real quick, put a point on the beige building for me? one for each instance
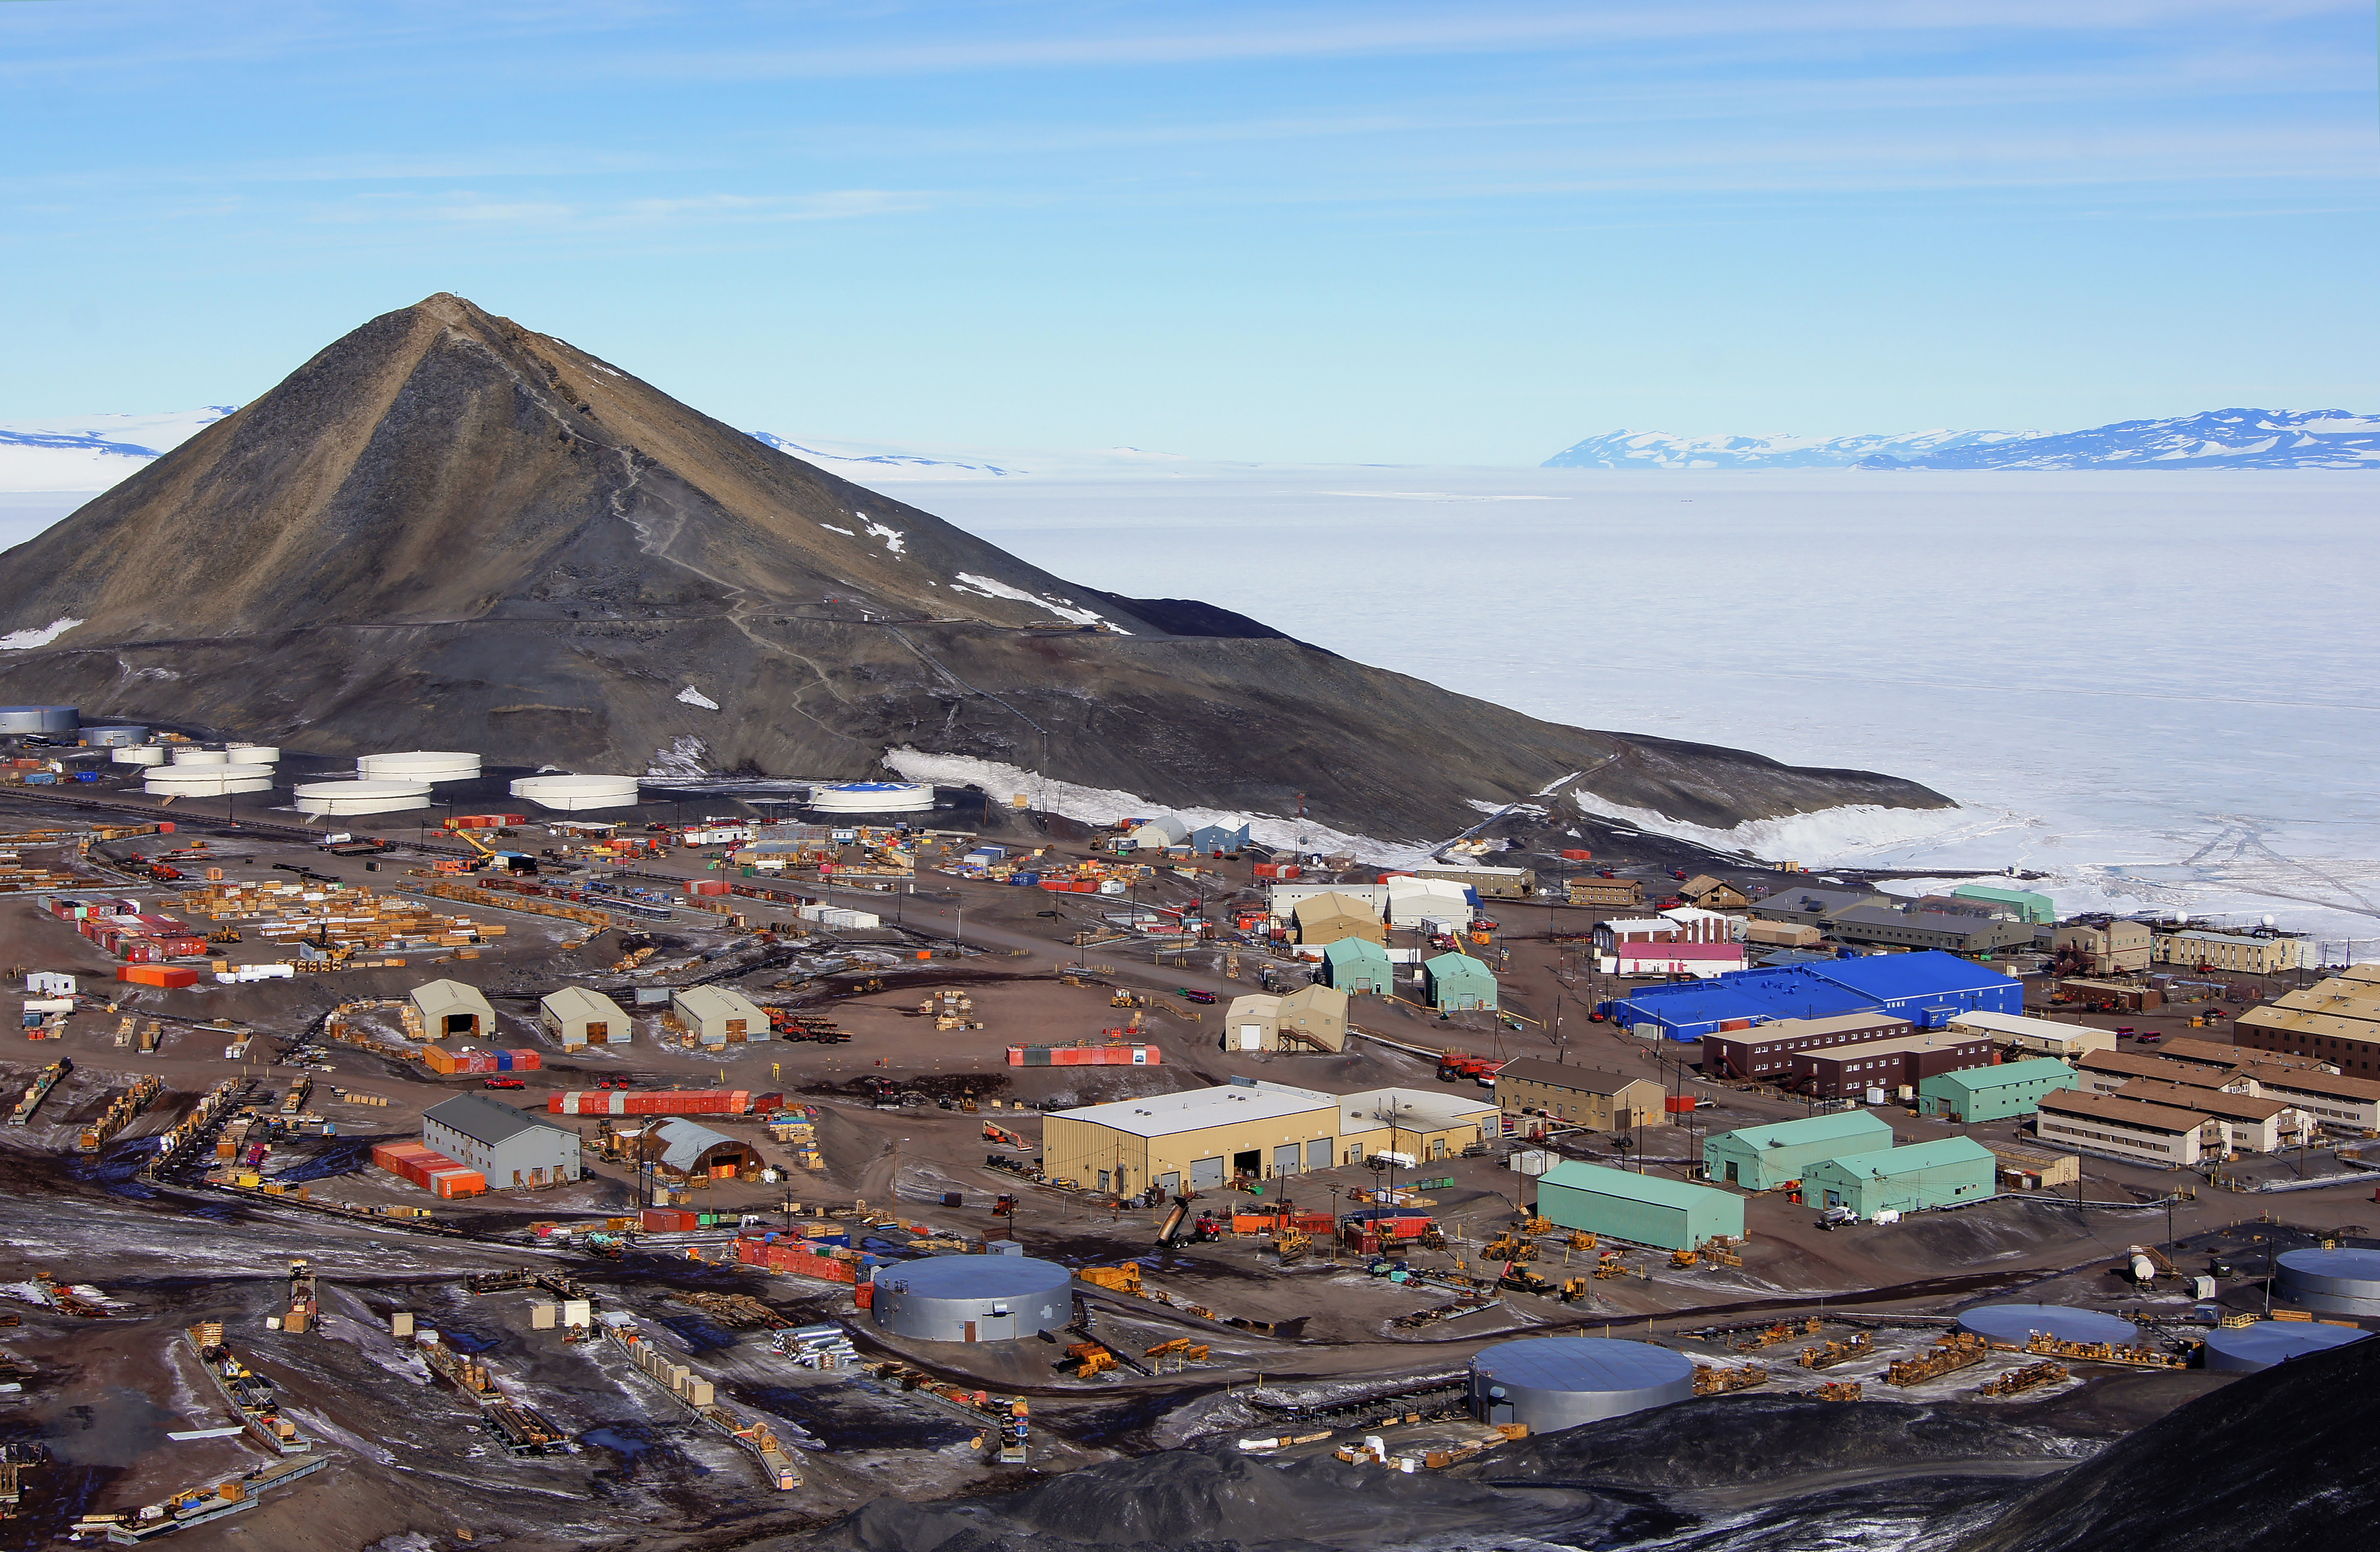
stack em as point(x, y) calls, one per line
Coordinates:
point(1421, 1123)
point(2103, 1124)
point(2340, 1104)
point(719, 1015)
point(2038, 1035)
point(1326, 918)
point(2025, 1169)
point(2109, 948)
point(2241, 953)
point(1790, 935)
point(1311, 1019)
point(1508, 883)
point(1198, 1140)
point(2255, 1125)
point(1584, 1097)
point(450, 1009)
point(575, 1016)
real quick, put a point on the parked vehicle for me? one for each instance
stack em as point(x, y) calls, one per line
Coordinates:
point(502, 1083)
point(1189, 996)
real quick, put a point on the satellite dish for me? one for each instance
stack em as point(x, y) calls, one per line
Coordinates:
point(2269, 922)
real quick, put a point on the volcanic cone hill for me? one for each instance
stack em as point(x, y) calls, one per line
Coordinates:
point(445, 530)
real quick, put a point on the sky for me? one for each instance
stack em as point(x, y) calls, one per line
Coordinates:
point(1377, 232)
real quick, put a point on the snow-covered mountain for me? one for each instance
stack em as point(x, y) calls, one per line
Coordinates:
point(92, 452)
point(880, 463)
point(2236, 439)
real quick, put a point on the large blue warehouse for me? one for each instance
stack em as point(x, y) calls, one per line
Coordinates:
point(1929, 988)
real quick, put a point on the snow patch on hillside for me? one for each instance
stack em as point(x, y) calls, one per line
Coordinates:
point(17, 641)
point(1861, 834)
point(692, 697)
point(1106, 804)
point(969, 583)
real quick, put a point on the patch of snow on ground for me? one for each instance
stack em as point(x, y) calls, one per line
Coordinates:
point(847, 533)
point(969, 582)
point(693, 697)
point(1104, 804)
point(17, 641)
point(685, 756)
point(1859, 834)
point(892, 537)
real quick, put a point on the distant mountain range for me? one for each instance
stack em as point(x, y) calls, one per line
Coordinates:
point(2215, 439)
point(92, 452)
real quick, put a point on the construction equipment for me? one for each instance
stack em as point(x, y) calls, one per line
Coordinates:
point(1455, 1065)
point(1827, 1355)
point(1086, 1359)
point(1578, 1241)
point(2029, 1377)
point(1839, 1391)
point(2046, 1345)
point(1710, 1381)
point(995, 1133)
point(1522, 1279)
point(1684, 1257)
point(1292, 1244)
point(1533, 1226)
point(1609, 1265)
point(1124, 1279)
point(1957, 1350)
point(1507, 1247)
point(46, 1080)
point(1774, 1335)
point(304, 1307)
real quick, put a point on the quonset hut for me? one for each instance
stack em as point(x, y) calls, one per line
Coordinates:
point(1560, 1382)
point(973, 1298)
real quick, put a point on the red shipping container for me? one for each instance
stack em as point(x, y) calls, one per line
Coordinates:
point(668, 1221)
point(1681, 1104)
point(528, 1062)
point(164, 826)
point(159, 975)
point(1290, 870)
point(707, 886)
point(1265, 869)
point(866, 1294)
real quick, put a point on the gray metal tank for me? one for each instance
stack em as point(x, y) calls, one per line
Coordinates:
point(117, 735)
point(2246, 1349)
point(50, 720)
point(2333, 1282)
point(974, 1298)
point(1560, 1382)
point(2015, 1323)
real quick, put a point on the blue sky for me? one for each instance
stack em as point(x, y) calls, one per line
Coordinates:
point(1364, 232)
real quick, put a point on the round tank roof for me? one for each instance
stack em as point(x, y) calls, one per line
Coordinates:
point(1584, 1364)
point(2014, 1323)
point(2245, 1349)
point(2343, 1271)
point(363, 789)
point(976, 1276)
point(571, 793)
point(873, 798)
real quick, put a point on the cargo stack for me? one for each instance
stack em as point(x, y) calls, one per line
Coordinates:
point(667, 1101)
point(438, 1059)
point(797, 1128)
point(433, 1171)
point(1104, 1054)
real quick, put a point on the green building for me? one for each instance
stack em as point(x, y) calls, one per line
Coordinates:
point(1646, 1209)
point(1764, 1157)
point(1355, 964)
point(1938, 1174)
point(2013, 1089)
point(2038, 909)
point(1458, 982)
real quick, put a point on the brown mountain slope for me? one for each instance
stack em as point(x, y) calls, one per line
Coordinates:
point(447, 530)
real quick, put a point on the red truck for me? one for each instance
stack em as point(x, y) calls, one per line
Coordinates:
point(1456, 1065)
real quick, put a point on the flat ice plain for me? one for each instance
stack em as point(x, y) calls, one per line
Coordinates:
point(2161, 689)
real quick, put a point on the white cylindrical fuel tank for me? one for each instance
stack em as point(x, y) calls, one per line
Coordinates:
point(362, 797)
point(254, 754)
point(138, 754)
point(208, 780)
point(191, 754)
point(573, 793)
point(420, 765)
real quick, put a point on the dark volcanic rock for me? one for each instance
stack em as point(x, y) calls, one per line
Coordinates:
point(2277, 1462)
point(445, 529)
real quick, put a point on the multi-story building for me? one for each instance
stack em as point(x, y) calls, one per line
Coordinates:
point(2244, 953)
point(2105, 945)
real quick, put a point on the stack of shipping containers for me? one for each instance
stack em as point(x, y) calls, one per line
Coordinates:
point(433, 1171)
point(661, 1102)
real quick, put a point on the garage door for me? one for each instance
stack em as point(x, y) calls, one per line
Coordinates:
point(1252, 1036)
point(1206, 1174)
point(1317, 1154)
point(1284, 1160)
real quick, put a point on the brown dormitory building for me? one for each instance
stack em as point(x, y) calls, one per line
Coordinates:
point(2336, 1021)
point(2339, 1103)
point(1766, 1052)
point(1841, 1072)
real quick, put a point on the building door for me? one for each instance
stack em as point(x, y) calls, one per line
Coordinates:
point(970, 1331)
point(1731, 1172)
point(1250, 1162)
point(1284, 1158)
point(1206, 1174)
point(1317, 1154)
point(1252, 1036)
point(1169, 1182)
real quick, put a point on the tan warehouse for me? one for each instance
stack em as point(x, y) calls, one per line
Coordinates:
point(1265, 1130)
point(1582, 1096)
point(450, 1008)
point(1311, 1019)
point(575, 1016)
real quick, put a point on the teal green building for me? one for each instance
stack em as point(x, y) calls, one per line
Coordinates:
point(1458, 983)
point(2038, 909)
point(1645, 1210)
point(1355, 964)
point(2013, 1089)
point(1944, 1173)
point(1764, 1157)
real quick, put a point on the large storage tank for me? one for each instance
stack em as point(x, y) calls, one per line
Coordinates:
point(362, 797)
point(138, 754)
point(974, 1298)
point(2333, 1282)
point(571, 793)
point(1560, 1382)
point(420, 765)
point(118, 736)
point(873, 798)
point(50, 720)
point(253, 754)
point(2246, 1349)
point(192, 754)
point(2017, 1323)
point(207, 781)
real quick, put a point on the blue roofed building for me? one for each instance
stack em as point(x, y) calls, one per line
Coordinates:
point(1929, 988)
